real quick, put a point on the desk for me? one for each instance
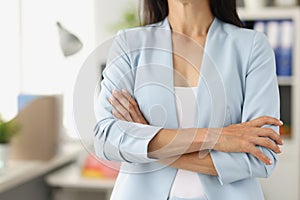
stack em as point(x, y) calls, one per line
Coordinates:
point(68, 183)
point(21, 172)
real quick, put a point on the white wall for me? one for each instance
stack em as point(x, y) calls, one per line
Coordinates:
point(9, 57)
point(108, 13)
point(31, 60)
point(44, 68)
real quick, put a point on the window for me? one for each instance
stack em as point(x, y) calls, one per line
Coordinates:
point(43, 69)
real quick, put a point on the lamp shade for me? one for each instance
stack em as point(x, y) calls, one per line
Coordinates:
point(69, 43)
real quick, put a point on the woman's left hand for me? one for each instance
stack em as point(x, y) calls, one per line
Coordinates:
point(126, 108)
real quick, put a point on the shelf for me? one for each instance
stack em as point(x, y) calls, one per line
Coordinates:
point(287, 170)
point(19, 172)
point(70, 177)
point(269, 13)
point(285, 80)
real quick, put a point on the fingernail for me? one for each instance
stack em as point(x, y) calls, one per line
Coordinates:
point(282, 141)
point(270, 162)
point(281, 122)
point(115, 91)
point(123, 90)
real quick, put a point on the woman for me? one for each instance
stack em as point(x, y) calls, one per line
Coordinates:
point(189, 123)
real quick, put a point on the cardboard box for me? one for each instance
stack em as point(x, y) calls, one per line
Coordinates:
point(40, 119)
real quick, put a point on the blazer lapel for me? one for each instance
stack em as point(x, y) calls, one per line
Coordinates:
point(154, 78)
point(211, 95)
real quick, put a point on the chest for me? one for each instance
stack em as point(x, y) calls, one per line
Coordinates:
point(187, 59)
point(217, 74)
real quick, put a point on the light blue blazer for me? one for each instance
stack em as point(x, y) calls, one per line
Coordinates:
point(237, 83)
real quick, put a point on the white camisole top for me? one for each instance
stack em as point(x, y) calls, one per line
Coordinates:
point(186, 184)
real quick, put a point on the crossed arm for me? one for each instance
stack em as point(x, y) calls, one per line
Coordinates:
point(126, 108)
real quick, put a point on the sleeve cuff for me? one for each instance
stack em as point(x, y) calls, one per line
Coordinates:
point(134, 144)
point(230, 167)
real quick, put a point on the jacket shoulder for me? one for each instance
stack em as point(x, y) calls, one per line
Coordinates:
point(244, 38)
point(238, 33)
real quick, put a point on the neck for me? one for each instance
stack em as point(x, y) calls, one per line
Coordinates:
point(190, 17)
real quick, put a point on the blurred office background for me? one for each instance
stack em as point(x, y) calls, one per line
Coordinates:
point(43, 45)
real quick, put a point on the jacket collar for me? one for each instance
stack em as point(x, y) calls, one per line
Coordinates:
point(212, 35)
point(165, 24)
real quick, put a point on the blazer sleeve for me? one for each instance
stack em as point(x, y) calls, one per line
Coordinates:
point(261, 98)
point(116, 139)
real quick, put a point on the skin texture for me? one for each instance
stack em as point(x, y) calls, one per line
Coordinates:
point(235, 138)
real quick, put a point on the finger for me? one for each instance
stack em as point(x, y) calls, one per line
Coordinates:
point(116, 104)
point(133, 102)
point(122, 99)
point(127, 102)
point(129, 98)
point(267, 143)
point(260, 155)
point(136, 113)
point(270, 133)
point(118, 115)
point(261, 121)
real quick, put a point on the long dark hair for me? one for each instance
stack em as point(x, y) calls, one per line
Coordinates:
point(156, 10)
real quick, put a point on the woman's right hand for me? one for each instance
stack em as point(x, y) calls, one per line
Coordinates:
point(245, 137)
